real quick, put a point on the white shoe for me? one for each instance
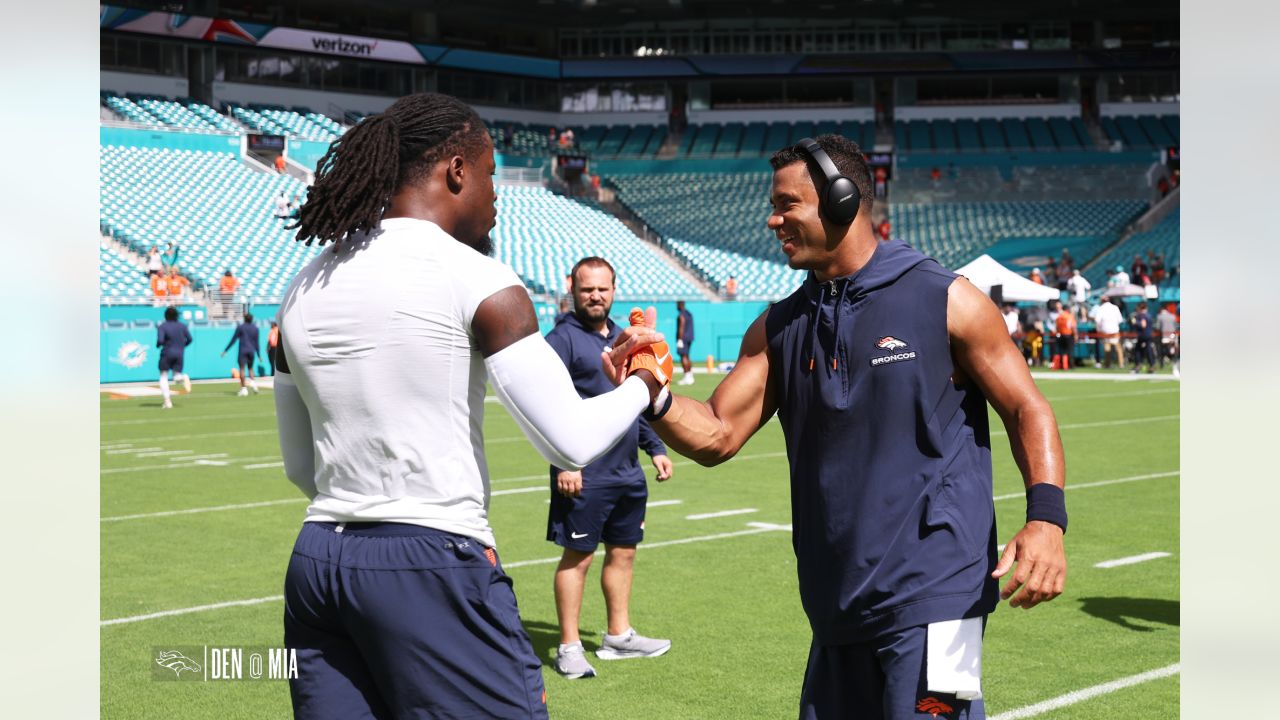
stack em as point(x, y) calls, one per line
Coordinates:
point(255, 388)
point(687, 379)
point(186, 383)
point(244, 392)
point(168, 405)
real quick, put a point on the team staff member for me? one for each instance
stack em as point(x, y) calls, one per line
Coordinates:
point(394, 596)
point(605, 501)
point(880, 367)
point(684, 341)
point(246, 334)
point(172, 337)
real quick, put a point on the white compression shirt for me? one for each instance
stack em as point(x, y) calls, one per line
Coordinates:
point(387, 386)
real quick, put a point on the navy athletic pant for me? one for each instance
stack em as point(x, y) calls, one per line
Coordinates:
point(399, 621)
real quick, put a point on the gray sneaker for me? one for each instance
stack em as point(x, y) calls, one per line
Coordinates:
point(632, 645)
point(571, 662)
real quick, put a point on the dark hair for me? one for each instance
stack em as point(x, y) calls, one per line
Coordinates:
point(362, 169)
point(846, 155)
point(248, 317)
point(593, 261)
point(171, 313)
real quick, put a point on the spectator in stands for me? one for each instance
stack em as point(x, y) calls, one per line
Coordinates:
point(731, 288)
point(1051, 272)
point(684, 342)
point(885, 229)
point(159, 285)
point(1119, 278)
point(604, 501)
point(1067, 263)
point(566, 138)
point(1167, 326)
point(273, 342)
point(172, 337)
point(1158, 274)
point(1162, 186)
point(295, 206)
point(246, 335)
point(1108, 321)
point(1065, 332)
point(282, 205)
point(595, 186)
point(177, 285)
point(1036, 277)
point(227, 287)
point(882, 182)
point(1078, 286)
point(1144, 350)
point(172, 252)
point(1137, 268)
point(551, 138)
point(155, 263)
point(279, 163)
point(935, 175)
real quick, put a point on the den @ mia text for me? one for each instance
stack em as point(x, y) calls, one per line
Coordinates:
point(208, 663)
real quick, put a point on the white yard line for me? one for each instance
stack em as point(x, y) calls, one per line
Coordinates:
point(170, 419)
point(197, 436)
point(1132, 559)
point(663, 503)
point(264, 466)
point(198, 608)
point(720, 514)
point(1100, 483)
point(517, 564)
point(1107, 423)
point(1077, 696)
point(518, 491)
point(216, 508)
point(164, 453)
point(1135, 393)
point(130, 450)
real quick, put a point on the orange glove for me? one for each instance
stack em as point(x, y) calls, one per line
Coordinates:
point(655, 358)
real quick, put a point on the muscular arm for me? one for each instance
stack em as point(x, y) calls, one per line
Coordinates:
point(984, 356)
point(532, 383)
point(980, 344)
point(713, 431)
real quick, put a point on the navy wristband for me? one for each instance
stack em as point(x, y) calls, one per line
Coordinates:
point(1046, 503)
point(650, 415)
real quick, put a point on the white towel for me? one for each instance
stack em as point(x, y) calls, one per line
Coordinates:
point(954, 658)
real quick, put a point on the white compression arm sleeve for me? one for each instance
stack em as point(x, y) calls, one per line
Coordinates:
point(569, 431)
point(294, 424)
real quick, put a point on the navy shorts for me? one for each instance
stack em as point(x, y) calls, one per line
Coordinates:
point(246, 359)
point(171, 362)
point(884, 678)
point(391, 620)
point(685, 348)
point(613, 515)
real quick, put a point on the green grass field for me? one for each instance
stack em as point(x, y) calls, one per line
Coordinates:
point(722, 590)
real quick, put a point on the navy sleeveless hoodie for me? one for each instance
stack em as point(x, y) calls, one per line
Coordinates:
point(891, 499)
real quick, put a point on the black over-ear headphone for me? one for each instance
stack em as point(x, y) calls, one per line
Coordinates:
point(840, 199)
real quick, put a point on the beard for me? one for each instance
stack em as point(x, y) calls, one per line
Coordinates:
point(482, 245)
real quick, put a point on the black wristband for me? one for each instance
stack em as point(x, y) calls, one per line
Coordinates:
point(650, 415)
point(1047, 503)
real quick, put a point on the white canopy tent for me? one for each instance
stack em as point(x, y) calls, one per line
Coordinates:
point(984, 272)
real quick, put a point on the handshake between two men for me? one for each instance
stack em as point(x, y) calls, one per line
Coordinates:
point(641, 350)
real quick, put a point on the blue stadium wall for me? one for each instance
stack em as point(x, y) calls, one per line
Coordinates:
point(130, 355)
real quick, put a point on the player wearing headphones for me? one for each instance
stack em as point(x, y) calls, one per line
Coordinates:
point(880, 367)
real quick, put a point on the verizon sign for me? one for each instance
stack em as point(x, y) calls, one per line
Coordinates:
point(353, 46)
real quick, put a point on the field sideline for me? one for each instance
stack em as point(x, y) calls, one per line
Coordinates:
point(197, 521)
